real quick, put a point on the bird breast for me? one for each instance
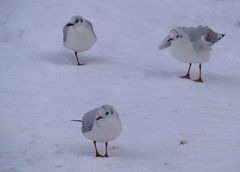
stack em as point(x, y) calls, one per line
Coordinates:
point(184, 51)
point(79, 39)
point(105, 130)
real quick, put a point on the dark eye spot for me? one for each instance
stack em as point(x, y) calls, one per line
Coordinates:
point(177, 36)
point(107, 113)
point(181, 36)
point(77, 21)
point(81, 20)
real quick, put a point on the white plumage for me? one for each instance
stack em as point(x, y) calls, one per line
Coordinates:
point(191, 45)
point(183, 50)
point(101, 125)
point(78, 35)
point(105, 130)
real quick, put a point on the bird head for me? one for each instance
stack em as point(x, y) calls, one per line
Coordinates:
point(106, 111)
point(174, 35)
point(75, 21)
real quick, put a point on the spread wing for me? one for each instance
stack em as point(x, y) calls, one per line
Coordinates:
point(198, 37)
point(199, 32)
point(165, 43)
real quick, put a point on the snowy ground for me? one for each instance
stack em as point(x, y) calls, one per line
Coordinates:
point(42, 88)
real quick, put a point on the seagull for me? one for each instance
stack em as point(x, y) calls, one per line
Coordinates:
point(101, 125)
point(78, 35)
point(191, 45)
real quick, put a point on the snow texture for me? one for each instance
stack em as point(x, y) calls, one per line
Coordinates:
point(169, 124)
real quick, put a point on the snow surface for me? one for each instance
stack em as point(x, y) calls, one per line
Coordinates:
point(42, 88)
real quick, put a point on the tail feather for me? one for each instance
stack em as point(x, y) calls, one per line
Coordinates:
point(77, 120)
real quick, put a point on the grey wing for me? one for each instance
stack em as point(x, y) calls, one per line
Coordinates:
point(164, 45)
point(89, 24)
point(88, 120)
point(199, 31)
point(196, 35)
point(203, 31)
point(201, 34)
point(188, 31)
point(65, 29)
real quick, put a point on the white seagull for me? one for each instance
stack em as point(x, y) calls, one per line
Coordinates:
point(191, 45)
point(101, 125)
point(78, 35)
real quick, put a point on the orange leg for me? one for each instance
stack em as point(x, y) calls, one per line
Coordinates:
point(200, 74)
point(106, 154)
point(187, 76)
point(97, 153)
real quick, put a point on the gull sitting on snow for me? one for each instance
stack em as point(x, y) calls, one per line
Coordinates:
point(191, 45)
point(101, 125)
point(78, 35)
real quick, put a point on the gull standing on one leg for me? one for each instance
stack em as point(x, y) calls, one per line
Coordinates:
point(78, 35)
point(191, 45)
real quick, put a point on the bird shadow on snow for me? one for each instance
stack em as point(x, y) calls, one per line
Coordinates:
point(59, 57)
point(86, 149)
point(64, 58)
point(160, 73)
point(209, 78)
